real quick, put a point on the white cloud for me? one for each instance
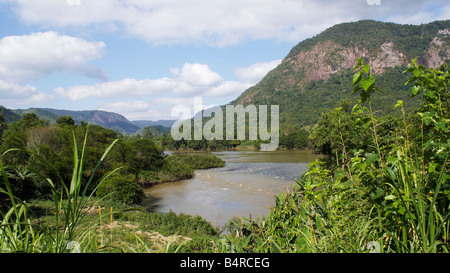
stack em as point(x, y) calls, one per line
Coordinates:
point(30, 57)
point(156, 108)
point(218, 22)
point(156, 97)
point(198, 74)
point(191, 80)
point(255, 72)
point(16, 95)
point(116, 89)
point(421, 16)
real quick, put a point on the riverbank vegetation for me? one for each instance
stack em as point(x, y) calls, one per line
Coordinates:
point(59, 182)
point(383, 185)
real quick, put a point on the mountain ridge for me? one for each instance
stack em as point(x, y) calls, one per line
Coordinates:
point(316, 73)
point(106, 119)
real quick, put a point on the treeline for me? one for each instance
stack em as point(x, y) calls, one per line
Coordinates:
point(290, 138)
point(34, 150)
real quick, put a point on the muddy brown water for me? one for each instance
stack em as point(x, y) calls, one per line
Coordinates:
point(246, 185)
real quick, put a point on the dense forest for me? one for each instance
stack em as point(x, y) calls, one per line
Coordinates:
point(33, 151)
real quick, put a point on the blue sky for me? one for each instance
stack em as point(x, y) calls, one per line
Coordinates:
point(141, 58)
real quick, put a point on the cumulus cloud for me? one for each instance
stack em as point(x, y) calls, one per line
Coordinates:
point(255, 72)
point(156, 108)
point(29, 57)
point(154, 99)
point(116, 89)
point(218, 22)
point(13, 94)
point(192, 80)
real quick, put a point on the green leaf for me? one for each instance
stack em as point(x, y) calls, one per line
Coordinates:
point(357, 77)
point(390, 197)
point(276, 248)
point(366, 68)
point(441, 125)
point(410, 80)
point(367, 83)
point(399, 104)
point(356, 89)
point(416, 90)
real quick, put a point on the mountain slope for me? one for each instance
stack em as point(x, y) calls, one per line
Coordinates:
point(9, 115)
point(316, 74)
point(105, 119)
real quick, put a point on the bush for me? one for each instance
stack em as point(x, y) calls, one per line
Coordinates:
point(121, 187)
point(202, 161)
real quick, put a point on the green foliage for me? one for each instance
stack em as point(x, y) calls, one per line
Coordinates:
point(297, 139)
point(68, 120)
point(143, 154)
point(387, 191)
point(196, 161)
point(3, 125)
point(121, 187)
point(180, 166)
point(69, 202)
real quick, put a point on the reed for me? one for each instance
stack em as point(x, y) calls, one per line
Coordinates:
point(19, 234)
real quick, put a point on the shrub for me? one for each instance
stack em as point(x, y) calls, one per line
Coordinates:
point(121, 187)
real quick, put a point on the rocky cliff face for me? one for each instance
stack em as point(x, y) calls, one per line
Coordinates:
point(327, 58)
point(331, 54)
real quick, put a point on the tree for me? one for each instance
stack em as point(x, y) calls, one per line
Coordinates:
point(143, 155)
point(3, 125)
point(339, 132)
point(147, 132)
point(68, 120)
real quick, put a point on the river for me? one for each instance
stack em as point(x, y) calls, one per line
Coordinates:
point(246, 186)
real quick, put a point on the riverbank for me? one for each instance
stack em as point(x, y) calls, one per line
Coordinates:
point(246, 185)
point(179, 167)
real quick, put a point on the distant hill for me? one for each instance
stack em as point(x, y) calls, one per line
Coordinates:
point(145, 123)
point(109, 120)
point(105, 119)
point(316, 74)
point(9, 115)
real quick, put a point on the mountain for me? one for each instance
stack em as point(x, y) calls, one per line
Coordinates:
point(9, 115)
point(316, 74)
point(108, 120)
point(161, 123)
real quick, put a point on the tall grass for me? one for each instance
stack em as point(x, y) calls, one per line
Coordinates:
point(19, 234)
point(394, 196)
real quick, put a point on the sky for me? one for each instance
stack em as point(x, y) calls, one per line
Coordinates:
point(142, 58)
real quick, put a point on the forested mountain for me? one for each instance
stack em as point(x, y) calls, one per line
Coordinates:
point(9, 115)
point(316, 74)
point(108, 120)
